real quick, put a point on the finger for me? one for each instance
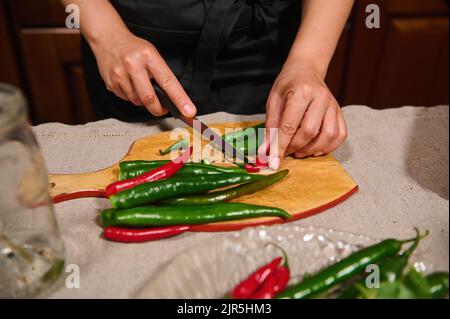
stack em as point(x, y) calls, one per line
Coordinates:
point(342, 133)
point(328, 134)
point(311, 122)
point(169, 83)
point(146, 92)
point(291, 118)
point(117, 91)
point(127, 87)
point(274, 107)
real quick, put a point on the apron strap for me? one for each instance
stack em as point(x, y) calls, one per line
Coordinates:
point(219, 22)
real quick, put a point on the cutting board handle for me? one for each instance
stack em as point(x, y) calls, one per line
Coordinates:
point(71, 186)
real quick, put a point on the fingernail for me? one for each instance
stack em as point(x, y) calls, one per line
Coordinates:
point(318, 154)
point(188, 109)
point(262, 149)
point(300, 155)
point(274, 163)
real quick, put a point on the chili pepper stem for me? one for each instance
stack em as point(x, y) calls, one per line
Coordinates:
point(407, 253)
point(180, 144)
point(418, 237)
point(285, 256)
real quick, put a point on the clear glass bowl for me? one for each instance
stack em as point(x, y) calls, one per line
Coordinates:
point(212, 268)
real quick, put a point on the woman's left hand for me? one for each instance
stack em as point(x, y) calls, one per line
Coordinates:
point(308, 117)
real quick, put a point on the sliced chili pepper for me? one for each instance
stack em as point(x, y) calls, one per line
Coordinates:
point(183, 144)
point(258, 165)
point(250, 285)
point(125, 235)
point(148, 193)
point(346, 268)
point(274, 284)
point(228, 194)
point(159, 173)
point(186, 215)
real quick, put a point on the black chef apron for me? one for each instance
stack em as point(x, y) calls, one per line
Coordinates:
point(225, 53)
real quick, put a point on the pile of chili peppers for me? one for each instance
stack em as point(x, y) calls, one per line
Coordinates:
point(346, 278)
point(266, 282)
point(160, 199)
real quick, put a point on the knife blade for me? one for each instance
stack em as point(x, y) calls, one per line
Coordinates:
point(201, 127)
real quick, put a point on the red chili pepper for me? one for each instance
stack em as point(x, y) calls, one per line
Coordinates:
point(274, 284)
point(125, 235)
point(250, 285)
point(162, 172)
point(257, 166)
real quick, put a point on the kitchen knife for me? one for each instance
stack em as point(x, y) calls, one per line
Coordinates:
point(201, 127)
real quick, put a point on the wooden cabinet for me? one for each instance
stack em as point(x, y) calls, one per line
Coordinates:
point(51, 58)
point(37, 13)
point(405, 62)
point(9, 66)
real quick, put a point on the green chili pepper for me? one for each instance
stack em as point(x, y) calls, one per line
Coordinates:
point(228, 194)
point(185, 170)
point(186, 215)
point(416, 284)
point(125, 165)
point(391, 269)
point(54, 271)
point(239, 134)
point(247, 140)
point(438, 283)
point(158, 190)
point(149, 165)
point(182, 143)
point(412, 285)
point(335, 274)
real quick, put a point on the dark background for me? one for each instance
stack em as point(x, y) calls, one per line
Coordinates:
point(405, 62)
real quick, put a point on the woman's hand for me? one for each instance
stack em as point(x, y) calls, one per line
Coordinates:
point(308, 117)
point(127, 63)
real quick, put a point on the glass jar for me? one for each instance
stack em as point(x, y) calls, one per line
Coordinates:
point(31, 248)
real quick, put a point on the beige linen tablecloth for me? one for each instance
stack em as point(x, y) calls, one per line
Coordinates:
point(398, 157)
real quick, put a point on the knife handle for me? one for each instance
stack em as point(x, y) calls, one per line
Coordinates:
point(166, 102)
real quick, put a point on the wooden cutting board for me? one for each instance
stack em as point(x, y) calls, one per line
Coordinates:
point(312, 185)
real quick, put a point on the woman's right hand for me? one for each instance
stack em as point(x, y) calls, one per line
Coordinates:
point(128, 63)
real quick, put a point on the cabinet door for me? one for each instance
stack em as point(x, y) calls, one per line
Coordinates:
point(52, 59)
point(414, 70)
point(9, 68)
point(405, 62)
point(38, 13)
point(336, 70)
